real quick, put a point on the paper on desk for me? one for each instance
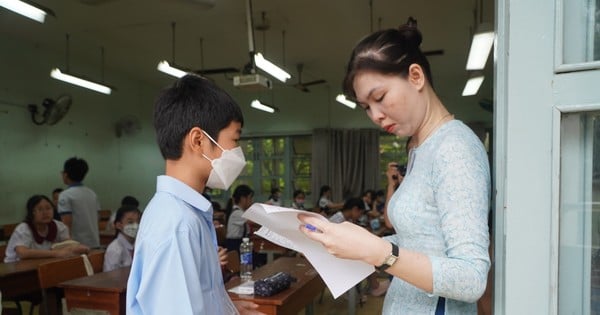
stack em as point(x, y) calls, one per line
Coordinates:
point(244, 288)
point(281, 226)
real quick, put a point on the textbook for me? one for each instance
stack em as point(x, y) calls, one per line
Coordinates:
point(281, 226)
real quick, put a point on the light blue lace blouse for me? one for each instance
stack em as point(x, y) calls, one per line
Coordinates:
point(441, 210)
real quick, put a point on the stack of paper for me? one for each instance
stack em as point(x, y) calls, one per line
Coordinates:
point(282, 227)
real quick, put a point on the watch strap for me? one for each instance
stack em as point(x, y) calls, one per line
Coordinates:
point(390, 259)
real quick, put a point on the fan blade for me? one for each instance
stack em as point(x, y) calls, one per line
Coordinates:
point(314, 82)
point(301, 87)
point(217, 71)
point(433, 52)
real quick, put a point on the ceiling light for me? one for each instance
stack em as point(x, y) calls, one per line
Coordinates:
point(342, 99)
point(473, 85)
point(480, 49)
point(165, 67)
point(258, 105)
point(57, 74)
point(25, 9)
point(271, 68)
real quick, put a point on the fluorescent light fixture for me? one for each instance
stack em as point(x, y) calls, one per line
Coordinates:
point(271, 68)
point(55, 73)
point(25, 9)
point(342, 99)
point(472, 85)
point(165, 67)
point(480, 49)
point(258, 105)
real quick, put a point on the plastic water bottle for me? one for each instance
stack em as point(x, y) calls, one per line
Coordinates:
point(246, 259)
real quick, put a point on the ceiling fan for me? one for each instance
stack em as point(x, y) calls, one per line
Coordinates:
point(303, 86)
point(202, 71)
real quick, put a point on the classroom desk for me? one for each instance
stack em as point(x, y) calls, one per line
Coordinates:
point(102, 291)
point(21, 277)
point(301, 293)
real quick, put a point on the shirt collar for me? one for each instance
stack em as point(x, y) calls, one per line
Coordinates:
point(124, 242)
point(182, 191)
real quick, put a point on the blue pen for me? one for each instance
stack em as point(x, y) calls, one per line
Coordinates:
point(311, 227)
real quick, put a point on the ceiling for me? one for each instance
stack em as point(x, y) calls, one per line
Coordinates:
point(136, 34)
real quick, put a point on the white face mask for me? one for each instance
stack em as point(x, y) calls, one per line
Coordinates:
point(226, 168)
point(131, 229)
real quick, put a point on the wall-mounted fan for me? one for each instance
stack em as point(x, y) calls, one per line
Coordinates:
point(303, 86)
point(54, 110)
point(127, 125)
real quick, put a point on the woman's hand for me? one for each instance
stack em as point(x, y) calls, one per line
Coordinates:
point(346, 240)
point(392, 174)
point(222, 253)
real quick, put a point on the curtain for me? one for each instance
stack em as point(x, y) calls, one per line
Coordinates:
point(347, 160)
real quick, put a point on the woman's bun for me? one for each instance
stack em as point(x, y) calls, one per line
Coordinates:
point(410, 34)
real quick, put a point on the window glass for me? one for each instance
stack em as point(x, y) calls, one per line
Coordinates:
point(581, 22)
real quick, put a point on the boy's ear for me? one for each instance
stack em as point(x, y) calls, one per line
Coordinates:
point(194, 139)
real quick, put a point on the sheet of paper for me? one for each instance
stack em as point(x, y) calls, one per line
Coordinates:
point(244, 288)
point(281, 226)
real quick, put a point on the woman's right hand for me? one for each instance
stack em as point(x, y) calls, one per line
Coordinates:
point(392, 174)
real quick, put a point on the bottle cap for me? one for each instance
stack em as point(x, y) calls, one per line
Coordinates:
point(245, 239)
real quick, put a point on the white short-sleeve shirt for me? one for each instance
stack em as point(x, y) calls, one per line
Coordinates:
point(119, 253)
point(22, 236)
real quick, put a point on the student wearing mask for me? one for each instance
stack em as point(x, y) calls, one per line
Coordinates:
point(176, 267)
point(34, 237)
point(275, 197)
point(439, 257)
point(119, 252)
point(299, 199)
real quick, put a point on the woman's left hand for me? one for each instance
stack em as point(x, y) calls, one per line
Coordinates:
point(346, 240)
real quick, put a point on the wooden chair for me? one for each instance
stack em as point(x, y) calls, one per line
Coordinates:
point(52, 273)
point(8, 229)
point(103, 218)
point(233, 261)
point(2, 252)
point(97, 261)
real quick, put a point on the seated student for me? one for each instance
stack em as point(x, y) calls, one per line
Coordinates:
point(126, 201)
point(236, 225)
point(34, 237)
point(119, 252)
point(299, 198)
point(326, 206)
point(351, 211)
point(275, 197)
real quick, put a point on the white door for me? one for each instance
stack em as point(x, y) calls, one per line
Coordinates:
point(547, 157)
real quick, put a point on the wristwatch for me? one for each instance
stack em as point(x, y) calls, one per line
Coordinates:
point(390, 259)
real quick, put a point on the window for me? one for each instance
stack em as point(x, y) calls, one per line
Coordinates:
point(579, 214)
point(580, 31)
point(282, 162)
point(391, 149)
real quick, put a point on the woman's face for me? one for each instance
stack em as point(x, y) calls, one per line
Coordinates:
point(128, 218)
point(43, 212)
point(394, 103)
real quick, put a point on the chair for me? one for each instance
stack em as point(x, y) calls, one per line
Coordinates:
point(233, 261)
point(2, 252)
point(103, 218)
point(52, 273)
point(8, 229)
point(97, 260)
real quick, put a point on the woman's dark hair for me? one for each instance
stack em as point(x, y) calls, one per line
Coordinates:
point(31, 203)
point(191, 101)
point(239, 192)
point(388, 52)
point(324, 189)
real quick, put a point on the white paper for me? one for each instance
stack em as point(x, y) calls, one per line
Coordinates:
point(244, 288)
point(281, 226)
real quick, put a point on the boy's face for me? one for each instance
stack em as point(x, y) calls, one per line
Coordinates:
point(227, 138)
point(355, 214)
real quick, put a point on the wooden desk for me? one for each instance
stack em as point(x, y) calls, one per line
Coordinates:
point(301, 293)
point(102, 291)
point(21, 277)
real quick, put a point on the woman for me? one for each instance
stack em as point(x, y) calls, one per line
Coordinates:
point(439, 256)
point(119, 252)
point(34, 237)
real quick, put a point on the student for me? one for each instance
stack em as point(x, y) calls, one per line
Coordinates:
point(127, 201)
point(119, 252)
point(275, 197)
point(176, 267)
point(351, 211)
point(327, 206)
point(237, 227)
point(78, 205)
point(439, 257)
point(299, 199)
point(34, 237)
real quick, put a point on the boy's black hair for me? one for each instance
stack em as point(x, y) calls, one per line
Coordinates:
point(125, 209)
point(130, 201)
point(353, 202)
point(191, 102)
point(76, 169)
point(298, 192)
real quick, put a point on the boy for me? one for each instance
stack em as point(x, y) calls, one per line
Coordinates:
point(175, 267)
point(78, 205)
point(352, 210)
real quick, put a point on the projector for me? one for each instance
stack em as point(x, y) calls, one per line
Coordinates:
point(252, 82)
